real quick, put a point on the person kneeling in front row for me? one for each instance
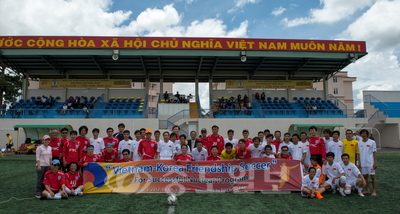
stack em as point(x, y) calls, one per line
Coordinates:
point(74, 180)
point(54, 182)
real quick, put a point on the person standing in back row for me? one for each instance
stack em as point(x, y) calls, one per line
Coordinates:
point(317, 145)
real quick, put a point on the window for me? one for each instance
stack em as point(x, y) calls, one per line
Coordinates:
point(335, 91)
point(334, 79)
point(153, 87)
point(336, 102)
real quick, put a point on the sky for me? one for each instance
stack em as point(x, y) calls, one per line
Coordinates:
point(373, 21)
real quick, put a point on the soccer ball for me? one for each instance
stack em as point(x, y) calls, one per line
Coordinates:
point(172, 199)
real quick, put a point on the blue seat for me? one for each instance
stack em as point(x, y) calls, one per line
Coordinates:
point(301, 98)
point(283, 98)
point(269, 98)
point(307, 98)
point(295, 98)
point(312, 98)
point(318, 98)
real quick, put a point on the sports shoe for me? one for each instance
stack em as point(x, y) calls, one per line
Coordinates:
point(333, 190)
point(64, 197)
point(79, 194)
point(361, 194)
point(342, 193)
point(38, 196)
point(318, 195)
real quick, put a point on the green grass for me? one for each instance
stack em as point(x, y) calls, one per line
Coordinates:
point(18, 177)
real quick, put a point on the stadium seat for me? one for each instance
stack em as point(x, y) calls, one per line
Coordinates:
point(112, 98)
point(295, 98)
point(269, 98)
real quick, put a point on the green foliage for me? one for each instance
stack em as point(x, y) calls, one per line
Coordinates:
point(10, 84)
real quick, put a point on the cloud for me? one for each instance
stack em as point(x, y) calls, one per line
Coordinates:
point(242, 3)
point(187, 1)
point(380, 69)
point(331, 12)
point(278, 11)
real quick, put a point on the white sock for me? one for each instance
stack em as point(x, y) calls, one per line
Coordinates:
point(67, 190)
point(78, 190)
point(341, 189)
point(359, 189)
point(56, 196)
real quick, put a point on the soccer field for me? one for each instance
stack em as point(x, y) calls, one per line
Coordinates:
point(18, 177)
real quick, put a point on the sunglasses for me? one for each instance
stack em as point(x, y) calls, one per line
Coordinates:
point(56, 165)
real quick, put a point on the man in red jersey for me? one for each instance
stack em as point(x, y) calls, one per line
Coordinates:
point(54, 182)
point(72, 150)
point(277, 141)
point(214, 154)
point(82, 139)
point(56, 145)
point(110, 139)
point(89, 157)
point(215, 139)
point(204, 139)
point(246, 138)
point(64, 137)
point(242, 151)
point(317, 145)
point(285, 153)
point(74, 180)
point(147, 147)
point(184, 156)
point(109, 154)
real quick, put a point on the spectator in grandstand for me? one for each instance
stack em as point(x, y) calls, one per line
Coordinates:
point(166, 96)
point(43, 161)
point(70, 101)
point(203, 138)
point(263, 96)
point(189, 97)
point(308, 108)
point(3, 109)
point(82, 139)
point(126, 154)
point(367, 160)
point(247, 140)
point(229, 153)
point(82, 101)
point(269, 143)
point(177, 95)
point(214, 110)
point(268, 152)
point(230, 139)
point(285, 153)
point(243, 108)
point(85, 111)
point(64, 109)
point(237, 108)
point(317, 145)
point(215, 139)
point(309, 184)
point(148, 147)
point(314, 108)
point(192, 142)
point(90, 157)
point(54, 182)
point(257, 96)
point(214, 156)
point(96, 142)
point(43, 100)
point(9, 143)
point(199, 153)
point(256, 148)
point(327, 138)
point(335, 174)
point(354, 178)
point(243, 152)
point(72, 150)
point(239, 98)
point(109, 154)
point(111, 139)
point(56, 145)
point(125, 144)
point(20, 110)
point(335, 146)
point(350, 146)
point(286, 141)
point(76, 102)
point(74, 181)
point(166, 148)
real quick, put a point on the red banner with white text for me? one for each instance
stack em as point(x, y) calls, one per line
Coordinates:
point(161, 176)
point(91, 42)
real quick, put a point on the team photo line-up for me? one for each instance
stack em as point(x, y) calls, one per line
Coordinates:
point(327, 162)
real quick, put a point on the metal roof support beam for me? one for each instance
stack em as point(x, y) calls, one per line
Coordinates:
point(199, 67)
point(298, 67)
point(11, 65)
point(261, 61)
point(53, 64)
point(100, 66)
point(160, 67)
point(146, 73)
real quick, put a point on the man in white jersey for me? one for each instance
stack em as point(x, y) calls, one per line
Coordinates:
point(367, 160)
point(296, 149)
point(286, 141)
point(327, 138)
point(256, 148)
point(266, 133)
point(97, 142)
point(199, 153)
point(268, 152)
point(136, 141)
point(354, 178)
point(179, 143)
point(306, 144)
point(335, 146)
point(270, 138)
point(166, 148)
point(309, 184)
point(125, 144)
point(231, 140)
point(157, 135)
point(335, 174)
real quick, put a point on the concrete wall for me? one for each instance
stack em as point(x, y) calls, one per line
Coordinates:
point(102, 124)
point(384, 96)
point(390, 136)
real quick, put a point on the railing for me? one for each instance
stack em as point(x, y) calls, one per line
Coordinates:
point(369, 99)
point(341, 105)
point(97, 105)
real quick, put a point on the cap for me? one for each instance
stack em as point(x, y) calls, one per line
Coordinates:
point(90, 146)
point(109, 144)
point(55, 161)
point(245, 131)
point(203, 130)
point(149, 131)
point(45, 137)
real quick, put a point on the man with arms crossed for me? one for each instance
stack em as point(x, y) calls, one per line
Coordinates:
point(367, 160)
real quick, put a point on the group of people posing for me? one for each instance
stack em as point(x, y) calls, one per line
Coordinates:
point(75, 152)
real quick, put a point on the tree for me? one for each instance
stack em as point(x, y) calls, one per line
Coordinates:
point(10, 83)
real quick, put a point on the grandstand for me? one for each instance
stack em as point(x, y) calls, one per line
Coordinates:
point(69, 71)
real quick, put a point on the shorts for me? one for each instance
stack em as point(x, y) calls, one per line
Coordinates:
point(9, 146)
point(333, 185)
point(368, 170)
point(351, 182)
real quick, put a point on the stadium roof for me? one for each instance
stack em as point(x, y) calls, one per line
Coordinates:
point(177, 59)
